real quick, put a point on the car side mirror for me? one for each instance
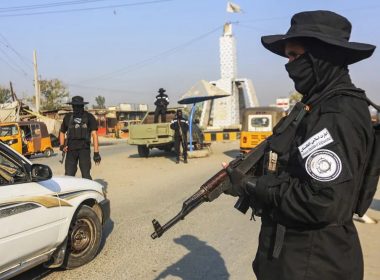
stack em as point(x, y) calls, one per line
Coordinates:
point(41, 172)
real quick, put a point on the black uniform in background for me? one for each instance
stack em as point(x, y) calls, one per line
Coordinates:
point(307, 206)
point(180, 127)
point(162, 102)
point(78, 126)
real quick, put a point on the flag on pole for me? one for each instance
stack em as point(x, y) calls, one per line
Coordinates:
point(233, 8)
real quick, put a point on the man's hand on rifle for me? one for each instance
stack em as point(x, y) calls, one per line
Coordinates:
point(239, 180)
point(63, 148)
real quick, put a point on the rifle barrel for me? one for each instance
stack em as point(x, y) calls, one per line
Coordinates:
point(189, 205)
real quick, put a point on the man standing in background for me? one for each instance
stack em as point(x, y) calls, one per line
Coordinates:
point(162, 102)
point(79, 127)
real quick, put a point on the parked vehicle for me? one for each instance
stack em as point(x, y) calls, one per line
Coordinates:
point(44, 219)
point(27, 138)
point(257, 125)
point(148, 135)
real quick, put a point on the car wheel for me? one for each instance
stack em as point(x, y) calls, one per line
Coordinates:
point(143, 151)
point(84, 237)
point(48, 152)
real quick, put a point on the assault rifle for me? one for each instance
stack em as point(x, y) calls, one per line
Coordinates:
point(213, 188)
point(181, 136)
point(220, 182)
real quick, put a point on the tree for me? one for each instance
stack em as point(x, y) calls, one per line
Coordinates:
point(5, 95)
point(100, 102)
point(53, 94)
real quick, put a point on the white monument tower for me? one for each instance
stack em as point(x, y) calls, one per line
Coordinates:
point(224, 113)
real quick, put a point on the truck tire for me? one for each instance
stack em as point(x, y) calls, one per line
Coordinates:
point(48, 152)
point(143, 151)
point(85, 235)
point(168, 148)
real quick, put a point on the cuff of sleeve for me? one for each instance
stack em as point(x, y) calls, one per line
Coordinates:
point(268, 189)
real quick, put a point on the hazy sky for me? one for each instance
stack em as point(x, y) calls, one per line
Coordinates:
point(128, 50)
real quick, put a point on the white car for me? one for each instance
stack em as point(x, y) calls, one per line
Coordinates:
point(43, 219)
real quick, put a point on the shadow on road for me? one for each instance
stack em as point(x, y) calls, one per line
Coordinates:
point(41, 155)
point(109, 225)
point(157, 153)
point(232, 153)
point(375, 204)
point(202, 262)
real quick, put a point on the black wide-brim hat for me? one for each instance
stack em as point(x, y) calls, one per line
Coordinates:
point(77, 100)
point(325, 26)
point(161, 90)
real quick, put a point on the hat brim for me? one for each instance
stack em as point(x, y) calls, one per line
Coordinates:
point(77, 103)
point(353, 51)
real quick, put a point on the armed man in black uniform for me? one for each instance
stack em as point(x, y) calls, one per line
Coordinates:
point(309, 189)
point(180, 127)
point(161, 102)
point(79, 127)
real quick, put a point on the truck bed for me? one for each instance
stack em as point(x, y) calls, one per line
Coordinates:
point(154, 134)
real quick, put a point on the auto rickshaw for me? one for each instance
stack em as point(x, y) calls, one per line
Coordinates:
point(257, 125)
point(28, 138)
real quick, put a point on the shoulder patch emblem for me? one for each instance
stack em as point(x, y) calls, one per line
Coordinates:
point(315, 142)
point(323, 165)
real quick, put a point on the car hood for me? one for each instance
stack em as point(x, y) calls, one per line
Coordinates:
point(63, 184)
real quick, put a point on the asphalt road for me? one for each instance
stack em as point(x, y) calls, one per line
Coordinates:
point(214, 242)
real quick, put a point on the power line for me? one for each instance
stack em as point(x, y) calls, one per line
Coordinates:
point(10, 59)
point(10, 65)
point(87, 9)
point(8, 45)
point(154, 58)
point(47, 5)
point(252, 27)
point(104, 89)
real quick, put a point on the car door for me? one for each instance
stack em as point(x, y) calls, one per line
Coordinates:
point(29, 212)
point(36, 137)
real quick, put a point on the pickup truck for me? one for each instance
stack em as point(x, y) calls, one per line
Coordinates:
point(44, 219)
point(148, 135)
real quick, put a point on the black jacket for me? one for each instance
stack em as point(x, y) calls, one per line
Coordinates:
point(179, 123)
point(162, 100)
point(317, 197)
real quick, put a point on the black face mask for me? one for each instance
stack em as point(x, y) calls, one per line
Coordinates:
point(301, 72)
point(78, 111)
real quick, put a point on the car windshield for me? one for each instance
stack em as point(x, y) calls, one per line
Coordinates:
point(8, 130)
point(9, 171)
point(260, 122)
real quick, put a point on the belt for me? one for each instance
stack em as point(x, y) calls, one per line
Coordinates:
point(281, 229)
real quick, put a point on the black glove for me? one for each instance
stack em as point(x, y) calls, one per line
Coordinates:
point(238, 182)
point(266, 188)
point(97, 158)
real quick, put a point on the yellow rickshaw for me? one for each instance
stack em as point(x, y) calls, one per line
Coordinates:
point(257, 125)
point(27, 138)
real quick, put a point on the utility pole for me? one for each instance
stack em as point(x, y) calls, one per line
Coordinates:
point(36, 82)
point(12, 92)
